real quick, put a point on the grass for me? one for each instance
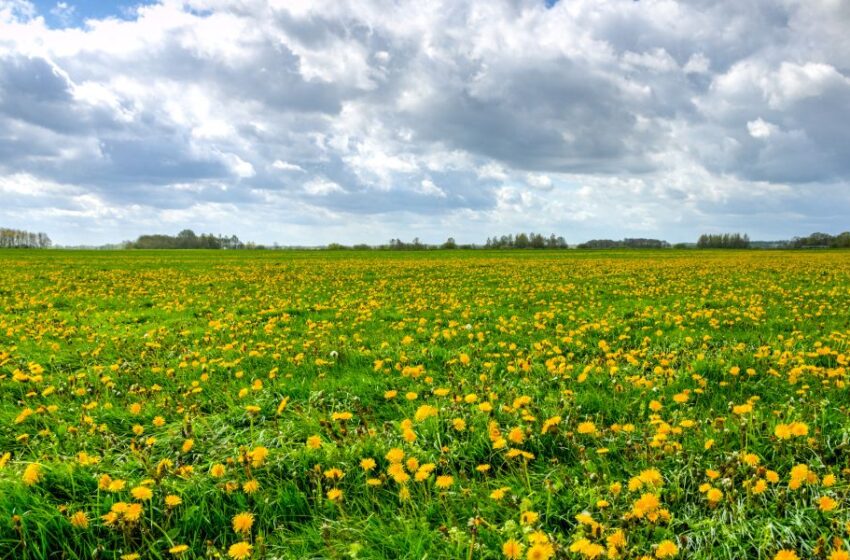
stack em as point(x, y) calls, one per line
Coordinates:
point(684, 362)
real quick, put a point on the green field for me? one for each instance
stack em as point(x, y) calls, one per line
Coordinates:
point(524, 404)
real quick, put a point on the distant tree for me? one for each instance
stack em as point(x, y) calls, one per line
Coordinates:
point(187, 239)
point(723, 241)
point(449, 244)
point(521, 241)
point(536, 241)
point(20, 239)
point(842, 240)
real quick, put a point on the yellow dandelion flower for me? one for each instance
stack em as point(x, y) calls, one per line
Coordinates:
point(79, 520)
point(512, 549)
point(444, 482)
point(666, 549)
point(240, 551)
point(32, 474)
point(142, 493)
point(242, 522)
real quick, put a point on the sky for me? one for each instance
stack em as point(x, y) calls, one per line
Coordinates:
point(318, 121)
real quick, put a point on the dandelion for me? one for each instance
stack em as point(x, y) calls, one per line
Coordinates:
point(529, 517)
point(242, 522)
point(179, 549)
point(32, 474)
point(79, 520)
point(714, 495)
point(240, 551)
point(826, 504)
point(541, 551)
point(786, 555)
point(258, 456)
point(142, 493)
point(335, 495)
point(587, 428)
point(187, 446)
point(512, 549)
point(395, 455)
point(172, 501)
point(444, 482)
point(666, 549)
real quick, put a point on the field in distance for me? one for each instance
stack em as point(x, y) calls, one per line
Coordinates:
point(521, 404)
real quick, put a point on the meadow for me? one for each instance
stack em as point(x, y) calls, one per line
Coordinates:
point(458, 405)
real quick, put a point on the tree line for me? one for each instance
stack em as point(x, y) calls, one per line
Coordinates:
point(822, 240)
point(627, 243)
point(723, 241)
point(20, 239)
point(526, 241)
point(186, 239)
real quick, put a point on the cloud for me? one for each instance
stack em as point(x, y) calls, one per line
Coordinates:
point(472, 118)
point(760, 129)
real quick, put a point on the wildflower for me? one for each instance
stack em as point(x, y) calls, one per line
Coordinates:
point(666, 549)
point(335, 495)
point(714, 495)
point(587, 428)
point(542, 551)
point(242, 522)
point(179, 549)
point(32, 474)
point(529, 517)
point(499, 493)
point(240, 551)
point(314, 442)
point(258, 456)
point(782, 431)
point(172, 501)
point(250, 486)
point(825, 503)
point(142, 493)
point(786, 555)
point(218, 470)
point(424, 412)
point(516, 435)
point(550, 423)
point(133, 513)
point(444, 482)
point(367, 464)
point(512, 549)
point(647, 503)
point(79, 520)
point(751, 459)
point(395, 455)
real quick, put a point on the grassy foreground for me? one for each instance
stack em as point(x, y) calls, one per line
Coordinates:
point(437, 405)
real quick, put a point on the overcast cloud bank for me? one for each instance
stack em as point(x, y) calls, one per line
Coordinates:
point(357, 121)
